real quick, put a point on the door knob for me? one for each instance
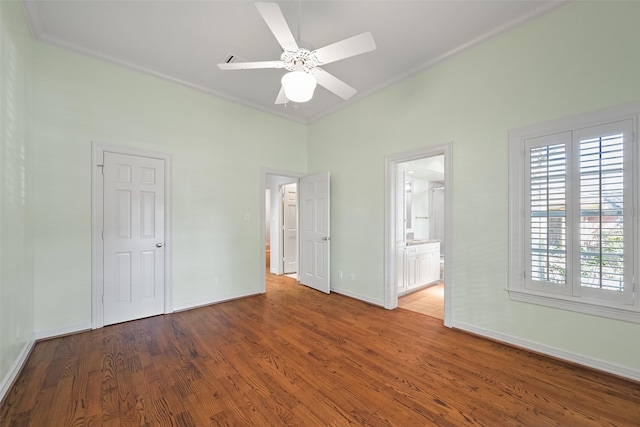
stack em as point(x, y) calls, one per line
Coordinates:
point(158, 245)
point(326, 238)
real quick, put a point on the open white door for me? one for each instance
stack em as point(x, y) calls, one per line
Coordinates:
point(314, 231)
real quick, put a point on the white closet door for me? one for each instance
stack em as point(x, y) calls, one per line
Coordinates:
point(133, 237)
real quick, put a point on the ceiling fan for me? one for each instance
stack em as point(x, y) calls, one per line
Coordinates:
point(303, 65)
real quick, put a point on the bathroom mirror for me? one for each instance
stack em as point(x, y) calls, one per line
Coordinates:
point(407, 204)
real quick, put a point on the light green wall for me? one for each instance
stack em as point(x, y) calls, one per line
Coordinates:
point(218, 149)
point(16, 194)
point(580, 58)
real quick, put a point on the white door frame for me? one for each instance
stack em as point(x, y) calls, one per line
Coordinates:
point(263, 224)
point(390, 277)
point(97, 212)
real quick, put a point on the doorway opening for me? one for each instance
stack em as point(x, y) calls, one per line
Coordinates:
point(418, 238)
point(420, 235)
point(281, 225)
point(298, 225)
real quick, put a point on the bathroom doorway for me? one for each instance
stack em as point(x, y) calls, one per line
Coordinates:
point(418, 247)
point(420, 235)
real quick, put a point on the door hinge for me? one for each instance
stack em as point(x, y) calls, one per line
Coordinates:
point(102, 234)
point(101, 169)
point(103, 298)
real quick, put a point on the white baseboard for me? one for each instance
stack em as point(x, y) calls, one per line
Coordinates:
point(59, 332)
point(198, 304)
point(358, 296)
point(16, 367)
point(568, 356)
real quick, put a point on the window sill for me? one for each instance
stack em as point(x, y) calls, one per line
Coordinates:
point(578, 305)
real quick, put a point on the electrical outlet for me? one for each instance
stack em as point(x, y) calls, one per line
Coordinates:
point(215, 281)
point(353, 277)
point(340, 274)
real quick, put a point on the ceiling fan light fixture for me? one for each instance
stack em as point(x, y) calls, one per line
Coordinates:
point(298, 86)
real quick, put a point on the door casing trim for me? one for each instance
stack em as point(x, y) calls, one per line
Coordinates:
point(97, 206)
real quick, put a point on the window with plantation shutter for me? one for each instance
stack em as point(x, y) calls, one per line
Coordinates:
point(547, 213)
point(604, 200)
point(601, 212)
point(572, 187)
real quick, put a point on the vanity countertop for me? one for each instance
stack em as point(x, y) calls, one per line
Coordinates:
point(420, 242)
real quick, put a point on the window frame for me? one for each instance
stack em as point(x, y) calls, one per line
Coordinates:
point(569, 297)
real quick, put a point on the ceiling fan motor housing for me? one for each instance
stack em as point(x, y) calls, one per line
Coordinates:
point(299, 60)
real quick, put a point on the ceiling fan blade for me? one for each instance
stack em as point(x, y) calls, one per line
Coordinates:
point(250, 65)
point(346, 48)
point(282, 98)
point(334, 84)
point(274, 18)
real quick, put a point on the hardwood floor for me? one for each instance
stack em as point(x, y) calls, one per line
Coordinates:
point(428, 301)
point(299, 357)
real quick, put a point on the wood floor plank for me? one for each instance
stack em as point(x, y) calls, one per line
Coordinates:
point(295, 356)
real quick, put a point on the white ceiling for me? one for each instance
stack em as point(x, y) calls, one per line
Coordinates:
point(183, 40)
